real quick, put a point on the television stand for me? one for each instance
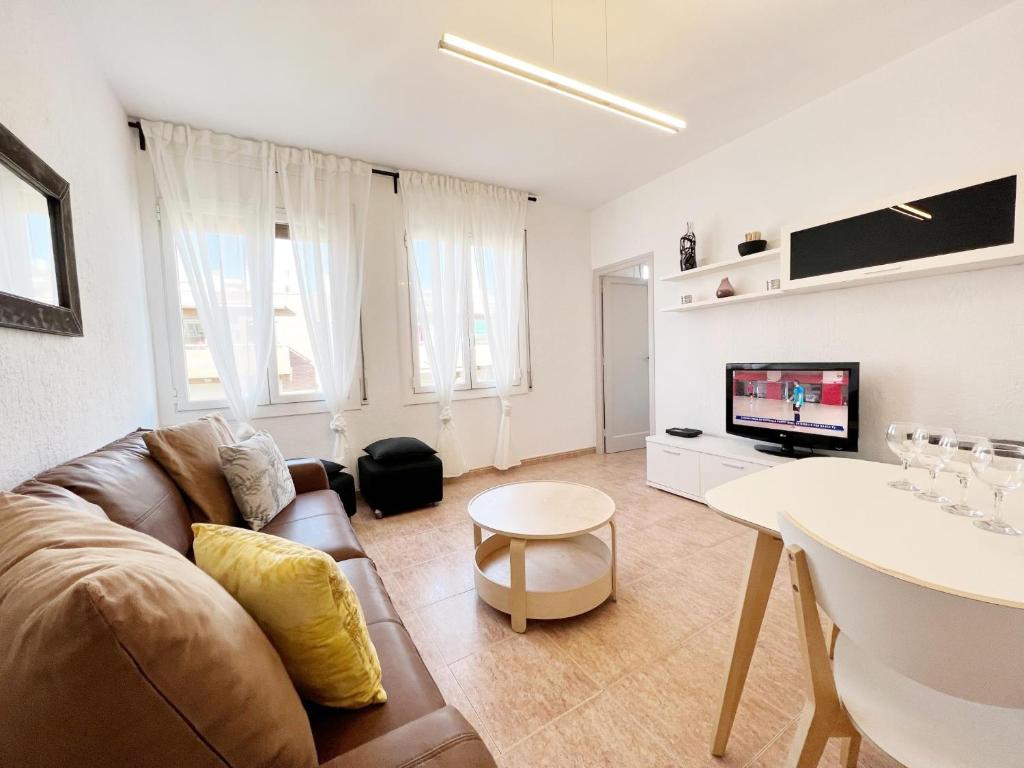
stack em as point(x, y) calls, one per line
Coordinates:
point(786, 450)
point(691, 467)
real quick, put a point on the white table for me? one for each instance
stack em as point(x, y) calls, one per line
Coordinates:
point(565, 570)
point(846, 502)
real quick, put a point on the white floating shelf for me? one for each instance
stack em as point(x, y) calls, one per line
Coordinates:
point(742, 298)
point(742, 261)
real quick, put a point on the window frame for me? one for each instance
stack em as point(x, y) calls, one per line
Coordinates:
point(415, 391)
point(272, 402)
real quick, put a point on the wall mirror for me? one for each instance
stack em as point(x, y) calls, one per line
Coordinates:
point(38, 282)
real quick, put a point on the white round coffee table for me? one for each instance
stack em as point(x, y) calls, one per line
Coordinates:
point(565, 570)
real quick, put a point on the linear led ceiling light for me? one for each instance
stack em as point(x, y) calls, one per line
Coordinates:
point(531, 73)
point(911, 211)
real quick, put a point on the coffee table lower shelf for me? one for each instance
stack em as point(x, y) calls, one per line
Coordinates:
point(559, 577)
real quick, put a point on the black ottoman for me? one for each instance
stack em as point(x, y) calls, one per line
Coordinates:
point(399, 485)
point(342, 484)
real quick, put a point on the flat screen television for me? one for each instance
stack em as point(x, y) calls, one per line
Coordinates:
point(794, 405)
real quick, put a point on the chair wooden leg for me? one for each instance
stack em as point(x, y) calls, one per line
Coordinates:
point(824, 715)
point(811, 738)
point(850, 751)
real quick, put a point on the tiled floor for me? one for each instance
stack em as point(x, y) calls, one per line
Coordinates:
point(632, 683)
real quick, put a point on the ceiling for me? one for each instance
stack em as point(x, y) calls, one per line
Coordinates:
point(363, 78)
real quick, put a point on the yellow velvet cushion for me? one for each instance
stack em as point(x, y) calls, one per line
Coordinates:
point(304, 604)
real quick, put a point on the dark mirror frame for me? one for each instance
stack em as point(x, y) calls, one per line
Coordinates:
point(18, 311)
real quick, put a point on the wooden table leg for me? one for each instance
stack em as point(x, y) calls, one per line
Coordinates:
point(517, 573)
point(615, 564)
point(764, 563)
point(477, 536)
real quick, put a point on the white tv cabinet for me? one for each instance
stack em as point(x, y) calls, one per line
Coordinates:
point(691, 467)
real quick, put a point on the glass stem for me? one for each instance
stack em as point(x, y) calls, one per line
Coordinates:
point(965, 482)
point(934, 475)
point(906, 467)
point(997, 507)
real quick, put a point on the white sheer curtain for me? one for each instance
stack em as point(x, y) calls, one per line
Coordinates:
point(326, 199)
point(217, 197)
point(437, 225)
point(499, 232)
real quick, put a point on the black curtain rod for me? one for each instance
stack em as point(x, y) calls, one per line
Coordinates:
point(393, 174)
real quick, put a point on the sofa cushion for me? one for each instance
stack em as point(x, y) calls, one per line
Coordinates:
point(398, 449)
point(318, 520)
point(115, 650)
point(370, 590)
point(188, 453)
point(304, 604)
point(442, 739)
point(57, 495)
point(258, 477)
point(123, 480)
point(412, 693)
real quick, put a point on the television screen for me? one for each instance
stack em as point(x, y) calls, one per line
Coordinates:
point(810, 402)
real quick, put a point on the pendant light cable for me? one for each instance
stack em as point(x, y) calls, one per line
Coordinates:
point(605, 43)
point(552, 34)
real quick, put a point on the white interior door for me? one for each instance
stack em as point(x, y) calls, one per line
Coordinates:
point(626, 363)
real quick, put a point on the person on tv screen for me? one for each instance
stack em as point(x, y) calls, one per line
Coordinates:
point(797, 400)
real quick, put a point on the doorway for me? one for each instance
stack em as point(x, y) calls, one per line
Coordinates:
point(625, 351)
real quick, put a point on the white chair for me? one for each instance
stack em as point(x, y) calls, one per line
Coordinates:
point(933, 679)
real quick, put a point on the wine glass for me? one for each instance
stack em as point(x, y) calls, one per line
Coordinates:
point(1000, 465)
point(960, 467)
point(899, 437)
point(933, 447)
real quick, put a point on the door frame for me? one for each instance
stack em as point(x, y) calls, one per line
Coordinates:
point(648, 259)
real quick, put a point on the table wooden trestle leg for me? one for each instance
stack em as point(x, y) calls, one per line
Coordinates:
point(764, 563)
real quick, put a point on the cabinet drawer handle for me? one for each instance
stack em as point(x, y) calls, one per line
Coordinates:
point(732, 466)
point(674, 453)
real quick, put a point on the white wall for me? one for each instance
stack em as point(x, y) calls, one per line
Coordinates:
point(556, 416)
point(948, 350)
point(60, 397)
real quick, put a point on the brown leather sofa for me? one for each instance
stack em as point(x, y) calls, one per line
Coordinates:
point(414, 727)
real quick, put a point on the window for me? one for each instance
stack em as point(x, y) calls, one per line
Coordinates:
point(291, 376)
point(479, 374)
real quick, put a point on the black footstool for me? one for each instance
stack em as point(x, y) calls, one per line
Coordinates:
point(400, 474)
point(342, 484)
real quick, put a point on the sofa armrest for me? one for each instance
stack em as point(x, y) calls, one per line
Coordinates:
point(308, 475)
point(442, 739)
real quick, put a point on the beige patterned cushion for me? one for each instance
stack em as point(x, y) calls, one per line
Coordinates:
point(259, 478)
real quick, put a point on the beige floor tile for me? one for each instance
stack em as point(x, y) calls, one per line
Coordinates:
point(456, 697)
point(774, 756)
point(654, 544)
point(676, 698)
point(463, 625)
point(436, 579)
point(403, 524)
point(521, 684)
point(424, 641)
point(393, 553)
point(703, 527)
point(740, 546)
point(597, 734)
point(608, 642)
point(394, 588)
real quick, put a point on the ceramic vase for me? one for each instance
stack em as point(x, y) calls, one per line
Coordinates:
point(688, 249)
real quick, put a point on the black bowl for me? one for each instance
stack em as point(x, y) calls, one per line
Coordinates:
point(751, 246)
